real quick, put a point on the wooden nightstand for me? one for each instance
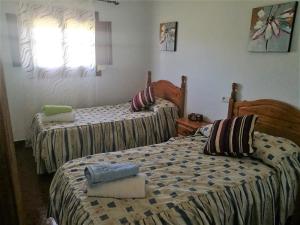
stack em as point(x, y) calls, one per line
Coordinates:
point(186, 127)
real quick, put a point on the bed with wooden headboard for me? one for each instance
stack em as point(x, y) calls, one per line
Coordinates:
point(274, 117)
point(167, 90)
point(249, 188)
point(107, 128)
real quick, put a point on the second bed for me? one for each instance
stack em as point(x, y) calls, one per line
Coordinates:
point(107, 128)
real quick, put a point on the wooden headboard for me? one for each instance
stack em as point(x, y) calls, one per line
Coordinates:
point(274, 117)
point(167, 90)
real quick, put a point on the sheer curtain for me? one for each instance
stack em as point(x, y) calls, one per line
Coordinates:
point(56, 39)
point(57, 46)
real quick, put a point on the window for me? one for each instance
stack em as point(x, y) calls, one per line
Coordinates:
point(47, 39)
point(78, 39)
point(56, 40)
point(54, 47)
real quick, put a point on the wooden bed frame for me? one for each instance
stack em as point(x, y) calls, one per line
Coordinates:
point(167, 90)
point(275, 118)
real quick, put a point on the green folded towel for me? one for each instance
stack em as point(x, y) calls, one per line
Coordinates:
point(56, 109)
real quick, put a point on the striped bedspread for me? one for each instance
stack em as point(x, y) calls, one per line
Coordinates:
point(184, 186)
point(100, 129)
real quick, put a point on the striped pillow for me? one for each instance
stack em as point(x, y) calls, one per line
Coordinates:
point(231, 137)
point(143, 99)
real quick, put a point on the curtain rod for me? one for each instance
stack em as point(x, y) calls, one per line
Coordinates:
point(110, 1)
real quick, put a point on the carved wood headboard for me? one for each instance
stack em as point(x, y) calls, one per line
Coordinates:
point(274, 117)
point(167, 90)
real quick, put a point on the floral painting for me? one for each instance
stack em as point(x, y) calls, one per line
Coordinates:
point(168, 36)
point(272, 28)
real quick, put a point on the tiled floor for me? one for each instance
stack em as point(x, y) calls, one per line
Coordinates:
point(34, 188)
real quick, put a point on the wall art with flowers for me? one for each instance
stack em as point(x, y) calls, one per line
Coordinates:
point(168, 36)
point(271, 28)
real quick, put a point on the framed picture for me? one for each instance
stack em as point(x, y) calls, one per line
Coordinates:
point(168, 36)
point(271, 28)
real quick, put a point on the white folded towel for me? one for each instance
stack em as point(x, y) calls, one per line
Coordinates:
point(131, 187)
point(61, 117)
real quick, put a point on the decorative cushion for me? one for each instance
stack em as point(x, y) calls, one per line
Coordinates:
point(231, 137)
point(205, 130)
point(143, 99)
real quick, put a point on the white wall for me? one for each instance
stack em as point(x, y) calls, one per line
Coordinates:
point(212, 52)
point(117, 83)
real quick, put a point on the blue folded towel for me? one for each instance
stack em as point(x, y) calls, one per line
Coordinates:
point(100, 173)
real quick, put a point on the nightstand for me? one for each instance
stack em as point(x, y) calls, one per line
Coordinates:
point(186, 127)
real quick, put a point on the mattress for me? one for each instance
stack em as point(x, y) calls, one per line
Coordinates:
point(185, 186)
point(100, 129)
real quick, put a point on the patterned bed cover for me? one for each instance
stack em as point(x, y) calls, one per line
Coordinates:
point(100, 129)
point(184, 186)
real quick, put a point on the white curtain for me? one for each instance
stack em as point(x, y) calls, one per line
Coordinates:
point(56, 40)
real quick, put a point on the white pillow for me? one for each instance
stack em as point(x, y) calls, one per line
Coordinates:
point(51, 221)
point(205, 131)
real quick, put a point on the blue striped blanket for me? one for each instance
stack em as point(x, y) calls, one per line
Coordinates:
point(100, 129)
point(187, 187)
